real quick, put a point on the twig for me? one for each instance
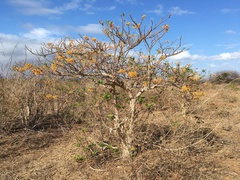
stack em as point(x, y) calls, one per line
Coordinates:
point(99, 170)
point(182, 148)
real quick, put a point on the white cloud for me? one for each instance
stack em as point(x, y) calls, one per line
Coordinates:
point(89, 8)
point(158, 10)
point(227, 10)
point(226, 56)
point(74, 4)
point(212, 65)
point(174, 10)
point(185, 55)
point(31, 7)
point(228, 46)
point(223, 61)
point(46, 7)
point(40, 34)
point(42, 7)
point(13, 48)
point(132, 1)
point(111, 8)
point(90, 28)
point(230, 31)
point(127, 1)
point(179, 11)
point(28, 26)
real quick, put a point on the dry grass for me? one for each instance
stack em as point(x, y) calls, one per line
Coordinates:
point(200, 143)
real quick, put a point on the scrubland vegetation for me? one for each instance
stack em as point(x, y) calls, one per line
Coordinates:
point(95, 109)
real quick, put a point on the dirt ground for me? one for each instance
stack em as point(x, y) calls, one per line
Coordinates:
point(49, 154)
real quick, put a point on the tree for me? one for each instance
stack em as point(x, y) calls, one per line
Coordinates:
point(120, 64)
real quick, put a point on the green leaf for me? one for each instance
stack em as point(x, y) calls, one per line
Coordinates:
point(141, 99)
point(148, 105)
point(111, 116)
point(100, 81)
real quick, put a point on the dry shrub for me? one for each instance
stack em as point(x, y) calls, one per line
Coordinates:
point(225, 77)
point(38, 103)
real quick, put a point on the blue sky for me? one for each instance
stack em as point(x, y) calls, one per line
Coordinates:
point(210, 27)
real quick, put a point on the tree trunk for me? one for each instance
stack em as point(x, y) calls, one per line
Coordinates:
point(128, 130)
point(123, 128)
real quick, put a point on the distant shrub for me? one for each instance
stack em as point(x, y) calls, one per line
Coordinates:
point(225, 77)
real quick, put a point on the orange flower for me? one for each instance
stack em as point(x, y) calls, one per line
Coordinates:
point(195, 78)
point(143, 16)
point(197, 94)
point(90, 89)
point(157, 81)
point(69, 52)
point(166, 27)
point(70, 42)
point(184, 70)
point(111, 24)
point(121, 71)
point(70, 60)
point(27, 66)
point(86, 37)
point(50, 96)
point(19, 69)
point(163, 57)
point(15, 68)
point(185, 88)
point(49, 44)
point(172, 79)
point(94, 39)
point(145, 83)
point(37, 71)
point(174, 70)
point(132, 74)
point(54, 67)
point(136, 26)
